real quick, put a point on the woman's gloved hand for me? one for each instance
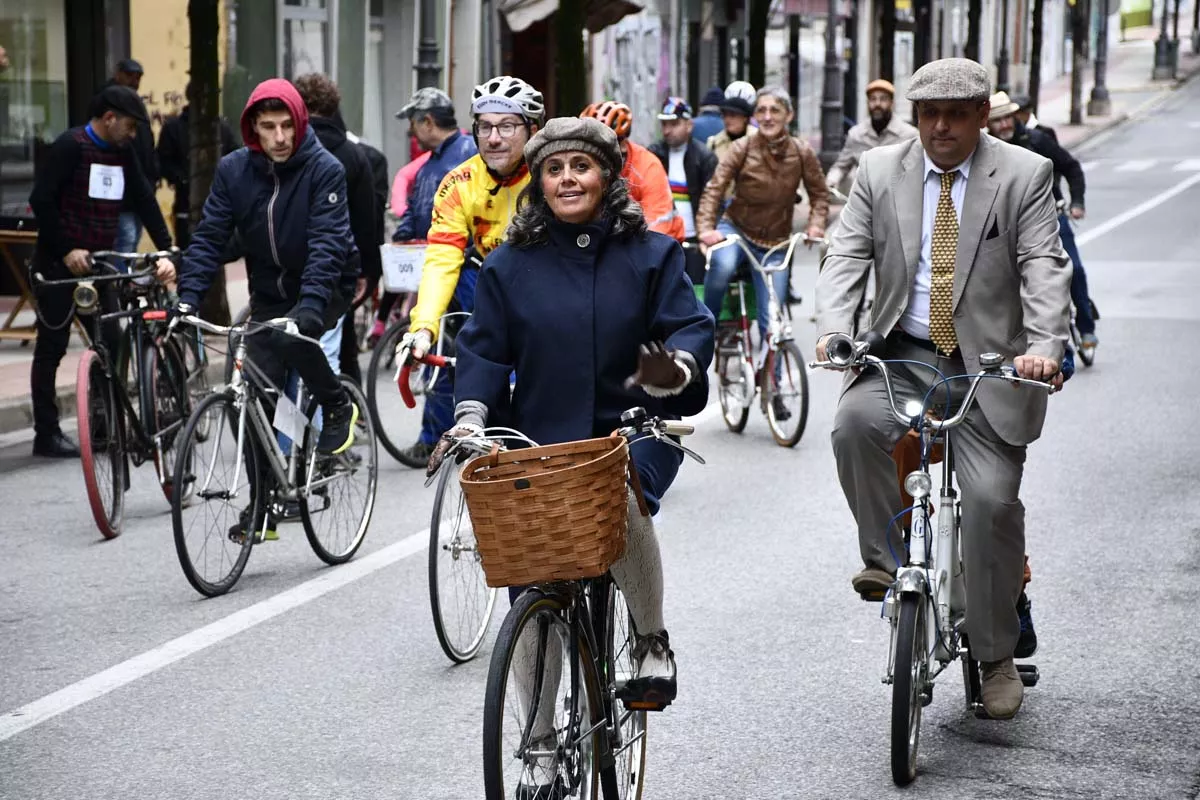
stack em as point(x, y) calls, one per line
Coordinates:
point(444, 444)
point(659, 372)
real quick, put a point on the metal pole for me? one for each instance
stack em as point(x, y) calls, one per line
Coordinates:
point(429, 70)
point(1162, 49)
point(1099, 105)
point(831, 97)
point(1002, 59)
point(1196, 27)
point(1079, 18)
point(974, 13)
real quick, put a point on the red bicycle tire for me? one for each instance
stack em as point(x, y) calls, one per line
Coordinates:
point(110, 527)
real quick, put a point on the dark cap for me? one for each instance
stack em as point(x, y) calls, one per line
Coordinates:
point(675, 108)
point(130, 66)
point(120, 99)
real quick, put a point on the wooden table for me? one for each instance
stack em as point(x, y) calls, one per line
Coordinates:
point(23, 333)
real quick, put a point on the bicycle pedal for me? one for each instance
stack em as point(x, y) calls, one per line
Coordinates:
point(646, 705)
point(873, 597)
point(1029, 674)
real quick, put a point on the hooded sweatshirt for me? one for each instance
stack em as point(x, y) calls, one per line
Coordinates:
point(292, 217)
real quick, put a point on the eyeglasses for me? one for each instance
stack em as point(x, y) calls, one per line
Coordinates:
point(507, 130)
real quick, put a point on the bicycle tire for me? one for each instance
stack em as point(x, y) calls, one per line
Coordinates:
point(361, 455)
point(101, 444)
point(782, 436)
point(911, 669)
point(190, 345)
point(224, 422)
point(449, 491)
point(382, 359)
point(625, 779)
point(528, 607)
point(166, 406)
point(731, 358)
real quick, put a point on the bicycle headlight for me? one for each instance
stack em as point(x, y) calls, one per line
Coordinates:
point(913, 407)
point(918, 485)
point(86, 297)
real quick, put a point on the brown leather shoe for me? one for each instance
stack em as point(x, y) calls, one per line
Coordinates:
point(872, 583)
point(1001, 688)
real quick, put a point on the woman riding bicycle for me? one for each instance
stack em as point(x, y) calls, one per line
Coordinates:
point(596, 315)
point(766, 171)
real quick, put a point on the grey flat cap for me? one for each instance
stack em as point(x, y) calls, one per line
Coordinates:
point(582, 134)
point(424, 101)
point(949, 79)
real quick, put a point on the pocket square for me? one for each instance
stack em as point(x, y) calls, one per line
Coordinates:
point(994, 232)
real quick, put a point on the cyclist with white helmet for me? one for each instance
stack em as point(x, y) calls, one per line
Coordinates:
point(736, 110)
point(472, 207)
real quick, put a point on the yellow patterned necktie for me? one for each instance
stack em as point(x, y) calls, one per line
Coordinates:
point(942, 252)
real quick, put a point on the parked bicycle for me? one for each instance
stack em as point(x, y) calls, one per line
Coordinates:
point(555, 710)
point(926, 605)
point(242, 467)
point(774, 371)
point(114, 431)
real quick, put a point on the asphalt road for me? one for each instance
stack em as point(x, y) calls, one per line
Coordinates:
point(316, 682)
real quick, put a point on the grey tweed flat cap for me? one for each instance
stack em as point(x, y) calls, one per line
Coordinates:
point(949, 79)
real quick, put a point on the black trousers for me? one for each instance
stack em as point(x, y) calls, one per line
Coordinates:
point(274, 353)
point(56, 310)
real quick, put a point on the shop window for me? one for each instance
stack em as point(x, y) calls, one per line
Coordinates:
point(306, 37)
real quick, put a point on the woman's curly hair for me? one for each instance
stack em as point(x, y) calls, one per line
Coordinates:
point(531, 224)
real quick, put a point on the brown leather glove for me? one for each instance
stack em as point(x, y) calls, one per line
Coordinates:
point(444, 444)
point(657, 369)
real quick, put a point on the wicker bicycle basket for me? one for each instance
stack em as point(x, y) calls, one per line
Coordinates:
point(552, 513)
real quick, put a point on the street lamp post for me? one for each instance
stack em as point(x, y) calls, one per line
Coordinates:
point(428, 70)
point(1002, 59)
point(831, 97)
point(1162, 48)
point(1099, 105)
point(1196, 27)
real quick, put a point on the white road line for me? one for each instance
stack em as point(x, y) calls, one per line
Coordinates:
point(1190, 165)
point(1137, 165)
point(1136, 211)
point(1194, 124)
point(100, 684)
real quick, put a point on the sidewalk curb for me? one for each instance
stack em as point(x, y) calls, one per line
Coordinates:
point(1095, 136)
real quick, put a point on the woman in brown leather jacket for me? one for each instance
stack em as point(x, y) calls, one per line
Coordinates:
point(766, 171)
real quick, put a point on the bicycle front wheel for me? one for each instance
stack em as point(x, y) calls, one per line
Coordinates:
point(735, 384)
point(336, 504)
point(908, 686)
point(396, 425)
point(220, 503)
point(459, 596)
point(542, 728)
point(624, 780)
point(166, 406)
point(785, 393)
point(101, 444)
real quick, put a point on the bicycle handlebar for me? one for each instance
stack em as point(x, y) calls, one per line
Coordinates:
point(284, 325)
point(844, 353)
point(733, 238)
point(404, 373)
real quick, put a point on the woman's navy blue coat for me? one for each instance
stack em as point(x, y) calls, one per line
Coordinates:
point(569, 316)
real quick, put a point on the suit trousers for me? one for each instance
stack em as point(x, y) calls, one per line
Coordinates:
point(987, 470)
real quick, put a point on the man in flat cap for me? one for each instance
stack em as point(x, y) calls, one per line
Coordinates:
point(882, 127)
point(962, 234)
point(128, 73)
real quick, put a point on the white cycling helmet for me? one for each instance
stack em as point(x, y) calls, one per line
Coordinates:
point(740, 97)
point(508, 95)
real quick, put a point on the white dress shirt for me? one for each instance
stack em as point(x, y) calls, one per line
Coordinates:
point(915, 321)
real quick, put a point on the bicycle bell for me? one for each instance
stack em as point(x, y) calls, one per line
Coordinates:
point(990, 360)
point(86, 297)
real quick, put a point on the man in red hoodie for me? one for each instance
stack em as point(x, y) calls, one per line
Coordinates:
point(285, 195)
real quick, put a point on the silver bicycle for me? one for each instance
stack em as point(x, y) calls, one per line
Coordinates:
point(926, 605)
point(776, 374)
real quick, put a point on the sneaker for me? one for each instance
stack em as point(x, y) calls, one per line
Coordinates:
point(872, 583)
point(55, 445)
point(337, 433)
point(417, 455)
point(1027, 642)
point(376, 334)
point(1088, 340)
point(237, 531)
point(781, 411)
point(655, 686)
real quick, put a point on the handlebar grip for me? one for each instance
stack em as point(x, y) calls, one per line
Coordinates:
point(434, 360)
point(405, 389)
point(154, 316)
point(678, 429)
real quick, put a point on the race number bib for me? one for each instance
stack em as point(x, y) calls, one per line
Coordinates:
point(106, 182)
point(402, 266)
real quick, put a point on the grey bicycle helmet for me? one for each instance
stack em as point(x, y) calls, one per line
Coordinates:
point(508, 95)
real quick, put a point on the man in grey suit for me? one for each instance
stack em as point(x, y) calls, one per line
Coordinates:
point(962, 232)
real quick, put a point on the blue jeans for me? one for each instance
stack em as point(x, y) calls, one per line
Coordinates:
point(129, 232)
point(438, 415)
point(657, 464)
point(722, 267)
point(1079, 287)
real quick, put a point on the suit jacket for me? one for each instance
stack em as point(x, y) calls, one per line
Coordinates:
point(1011, 275)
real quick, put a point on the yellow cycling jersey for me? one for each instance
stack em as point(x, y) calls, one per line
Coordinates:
point(470, 205)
